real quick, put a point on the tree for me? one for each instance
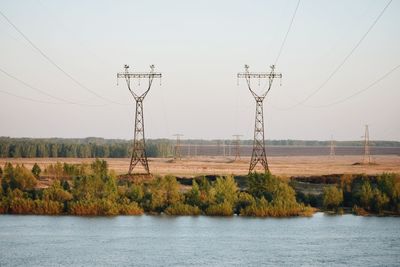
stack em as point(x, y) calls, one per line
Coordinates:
point(332, 197)
point(379, 201)
point(18, 177)
point(366, 195)
point(36, 170)
point(193, 196)
point(100, 167)
point(225, 190)
point(262, 185)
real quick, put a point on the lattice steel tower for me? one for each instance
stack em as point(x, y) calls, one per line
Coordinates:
point(237, 146)
point(367, 152)
point(178, 151)
point(139, 144)
point(259, 154)
point(332, 147)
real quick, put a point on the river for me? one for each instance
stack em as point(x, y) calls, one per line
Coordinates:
point(199, 241)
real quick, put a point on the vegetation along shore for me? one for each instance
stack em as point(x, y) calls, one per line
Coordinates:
point(93, 189)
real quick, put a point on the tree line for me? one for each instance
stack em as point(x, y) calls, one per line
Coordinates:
point(117, 148)
point(361, 193)
point(91, 189)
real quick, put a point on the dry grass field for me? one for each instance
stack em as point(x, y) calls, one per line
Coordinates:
point(282, 166)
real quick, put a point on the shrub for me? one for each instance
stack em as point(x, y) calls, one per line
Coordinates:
point(332, 197)
point(182, 209)
point(221, 209)
point(244, 200)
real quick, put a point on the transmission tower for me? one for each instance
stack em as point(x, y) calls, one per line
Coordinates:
point(139, 144)
point(367, 154)
point(259, 154)
point(237, 146)
point(332, 151)
point(178, 152)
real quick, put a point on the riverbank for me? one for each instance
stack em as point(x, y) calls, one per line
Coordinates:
point(93, 189)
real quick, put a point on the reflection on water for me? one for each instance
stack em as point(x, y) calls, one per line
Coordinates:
point(211, 241)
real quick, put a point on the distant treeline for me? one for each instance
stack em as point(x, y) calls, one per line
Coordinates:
point(116, 148)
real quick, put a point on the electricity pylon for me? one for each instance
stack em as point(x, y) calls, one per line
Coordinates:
point(367, 153)
point(139, 144)
point(332, 151)
point(178, 152)
point(237, 146)
point(259, 154)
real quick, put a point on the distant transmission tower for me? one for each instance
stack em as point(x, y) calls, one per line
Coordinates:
point(237, 146)
point(367, 152)
point(139, 145)
point(332, 152)
point(259, 154)
point(178, 152)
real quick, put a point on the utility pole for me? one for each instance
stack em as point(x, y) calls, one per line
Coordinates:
point(237, 146)
point(367, 152)
point(332, 151)
point(139, 144)
point(259, 154)
point(178, 152)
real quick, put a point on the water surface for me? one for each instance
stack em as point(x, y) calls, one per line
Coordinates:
point(198, 241)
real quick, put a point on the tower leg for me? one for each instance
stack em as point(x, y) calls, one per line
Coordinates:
point(138, 149)
point(259, 155)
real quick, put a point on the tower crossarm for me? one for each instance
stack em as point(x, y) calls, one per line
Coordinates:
point(259, 75)
point(139, 75)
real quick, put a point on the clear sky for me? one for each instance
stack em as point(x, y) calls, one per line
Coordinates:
point(199, 46)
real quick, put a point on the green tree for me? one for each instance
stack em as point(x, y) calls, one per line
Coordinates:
point(332, 197)
point(99, 167)
point(366, 194)
point(36, 170)
point(262, 185)
point(379, 201)
point(193, 196)
point(18, 177)
point(225, 190)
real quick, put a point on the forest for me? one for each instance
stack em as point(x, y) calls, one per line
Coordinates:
point(116, 148)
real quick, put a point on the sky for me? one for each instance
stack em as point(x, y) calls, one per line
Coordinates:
point(77, 48)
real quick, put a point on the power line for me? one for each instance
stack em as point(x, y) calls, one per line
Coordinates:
point(344, 59)
point(287, 33)
point(51, 61)
point(28, 98)
point(44, 92)
point(359, 91)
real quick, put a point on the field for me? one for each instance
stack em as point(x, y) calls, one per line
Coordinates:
point(282, 166)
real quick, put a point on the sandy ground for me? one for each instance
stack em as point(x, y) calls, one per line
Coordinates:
point(283, 166)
